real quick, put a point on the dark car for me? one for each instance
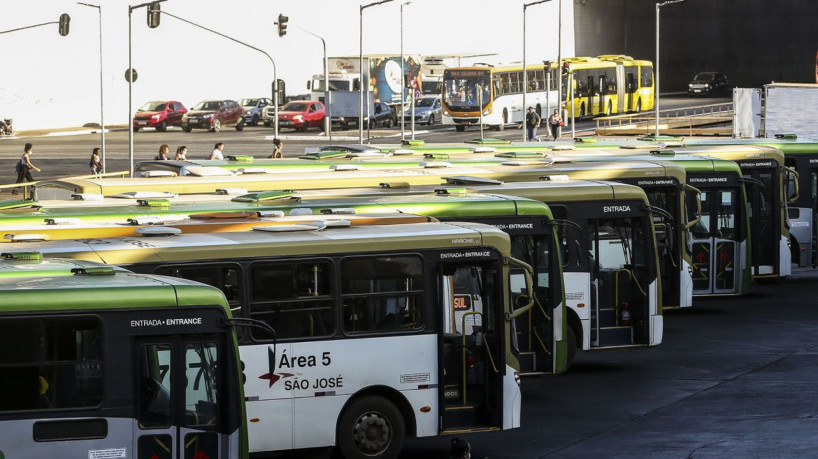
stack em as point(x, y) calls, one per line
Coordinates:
point(213, 115)
point(709, 84)
point(159, 114)
point(383, 115)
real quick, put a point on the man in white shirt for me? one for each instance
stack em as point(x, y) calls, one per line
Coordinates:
point(217, 151)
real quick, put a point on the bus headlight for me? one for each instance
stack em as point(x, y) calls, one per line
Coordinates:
point(445, 113)
point(487, 111)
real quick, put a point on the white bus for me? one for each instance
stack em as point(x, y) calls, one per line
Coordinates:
point(497, 92)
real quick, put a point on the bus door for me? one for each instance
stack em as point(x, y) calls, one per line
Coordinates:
point(631, 85)
point(601, 86)
point(472, 357)
point(801, 213)
point(537, 331)
point(623, 254)
point(179, 393)
point(761, 185)
point(714, 243)
point(669, 244)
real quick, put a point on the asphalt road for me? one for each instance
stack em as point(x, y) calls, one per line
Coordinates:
point(68, 153)
point(734, 378)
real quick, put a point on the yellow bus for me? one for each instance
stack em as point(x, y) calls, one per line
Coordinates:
point(606, 85)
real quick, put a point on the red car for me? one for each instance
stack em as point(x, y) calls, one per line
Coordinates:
point(213, 115)
point(159, 114)
point(301, 115)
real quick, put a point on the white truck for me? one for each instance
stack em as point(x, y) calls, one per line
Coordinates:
point(345, 109)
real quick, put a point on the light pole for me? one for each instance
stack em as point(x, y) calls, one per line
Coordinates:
point(131, 76)
point(328, 99)
point(402, 79)
point(525, 71)
point(101, 98)
point(361, 66)
point(656, 80)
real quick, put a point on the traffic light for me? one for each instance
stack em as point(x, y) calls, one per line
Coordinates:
point(282, 25)
point(153, 15)
point(64, 20)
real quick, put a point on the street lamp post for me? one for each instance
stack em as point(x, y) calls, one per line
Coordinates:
point(525, 70)
point(328, 98)
point(361, 67)
point(101, 97)
point(656, 79)
point(402, 80)
point(131, 75)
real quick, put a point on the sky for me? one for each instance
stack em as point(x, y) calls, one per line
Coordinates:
point(51, 81)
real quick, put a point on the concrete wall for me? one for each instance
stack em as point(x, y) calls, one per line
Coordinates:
point(753, 41)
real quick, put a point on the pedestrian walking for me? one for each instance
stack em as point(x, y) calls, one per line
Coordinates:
point(24, 167)
point(217, 152)
point(96, 161)
point(532, 122)
point(554, 122)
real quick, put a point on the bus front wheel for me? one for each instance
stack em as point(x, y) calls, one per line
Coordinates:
point(371, 428)
point(503, 122)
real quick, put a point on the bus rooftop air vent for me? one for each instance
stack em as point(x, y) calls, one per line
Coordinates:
point(23, 256)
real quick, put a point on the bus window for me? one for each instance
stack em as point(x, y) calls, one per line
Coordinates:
point(382, 293)
point(727, 214)
point(225, 278)
point(468, 297)
point(647, 77)
point(50, 364)
point(295, 298)
point(155, 386)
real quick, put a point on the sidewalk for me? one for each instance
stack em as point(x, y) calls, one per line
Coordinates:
point(78, 130)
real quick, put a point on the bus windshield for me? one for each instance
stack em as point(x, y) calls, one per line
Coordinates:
point(466, 88)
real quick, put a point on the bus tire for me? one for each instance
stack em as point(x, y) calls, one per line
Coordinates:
point(371, 428)
point(639, 106)
point(582, 113)
point(502, 124)
point(609, 110)
point(460, 128)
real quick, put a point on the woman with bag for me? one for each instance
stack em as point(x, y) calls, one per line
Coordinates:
point(554, 122)
point(24, 167)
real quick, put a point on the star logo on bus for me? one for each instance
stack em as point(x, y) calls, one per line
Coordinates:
point(274, 377)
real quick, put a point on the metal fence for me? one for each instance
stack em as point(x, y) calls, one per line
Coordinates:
point(715, 119)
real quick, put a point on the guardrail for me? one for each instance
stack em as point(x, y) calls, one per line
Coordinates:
point(26, 185)
point(689, 121)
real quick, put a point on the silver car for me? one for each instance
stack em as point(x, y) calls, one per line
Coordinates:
point(253, 109)
point(427, 111)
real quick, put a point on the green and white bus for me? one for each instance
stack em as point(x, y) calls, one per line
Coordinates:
point(383, 332)
point(100, 362)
